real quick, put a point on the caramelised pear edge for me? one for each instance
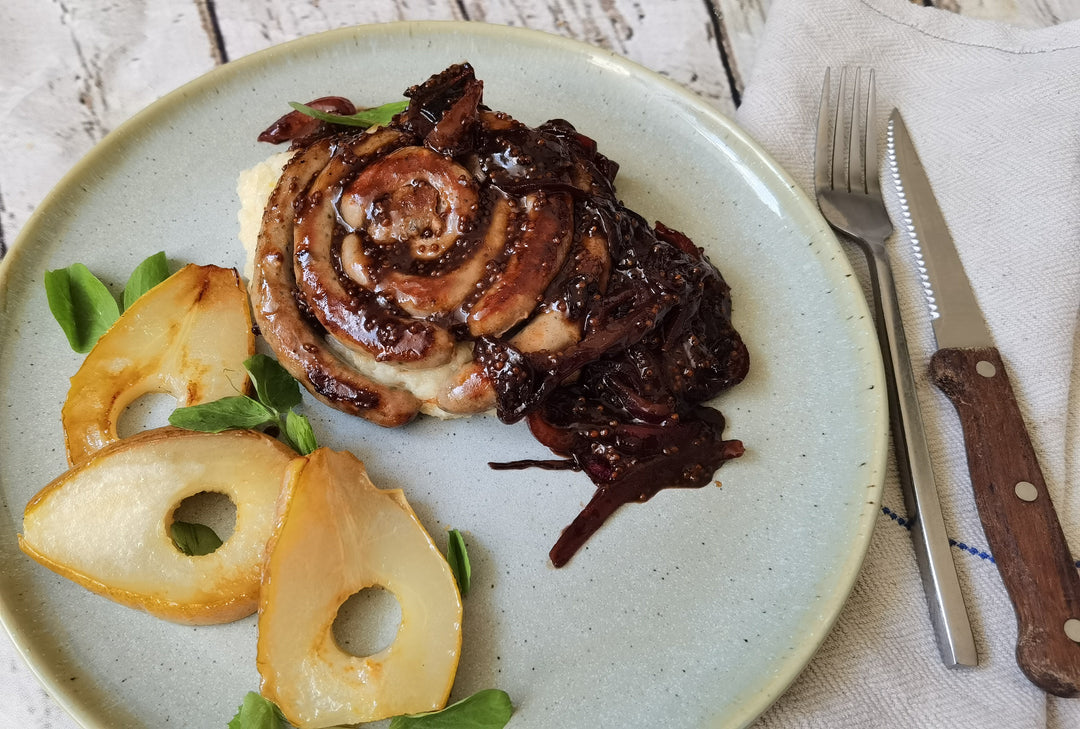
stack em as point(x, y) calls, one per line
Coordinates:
point(337, 534)
point(188, 337)
point(105, 523)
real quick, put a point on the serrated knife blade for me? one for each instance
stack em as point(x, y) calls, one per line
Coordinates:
point(1014, 505)
point(954, 312)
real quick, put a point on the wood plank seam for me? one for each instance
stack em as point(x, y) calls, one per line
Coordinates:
point(3, 214)
point(716, 17)
point(95, 127)
point(209, 17)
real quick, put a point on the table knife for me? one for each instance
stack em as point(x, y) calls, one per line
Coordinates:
point(1014, 506)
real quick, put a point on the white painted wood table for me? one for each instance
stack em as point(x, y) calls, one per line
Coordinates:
point(72, 70)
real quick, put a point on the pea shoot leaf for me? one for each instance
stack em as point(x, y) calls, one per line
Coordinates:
point(458, 559)
point(194, 540)
point(275, 387)
point(258, 713)
point(81, 304)
point(487, 709)
point(146, 276)
point(276, 393)
point(238, 411)
point(298, 429)
point(380, 115)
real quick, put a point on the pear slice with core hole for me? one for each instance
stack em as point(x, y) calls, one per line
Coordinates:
point(105, 524)
point(336, 535)
point(188, 337)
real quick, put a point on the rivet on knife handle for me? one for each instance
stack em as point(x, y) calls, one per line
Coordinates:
point(1018, 517)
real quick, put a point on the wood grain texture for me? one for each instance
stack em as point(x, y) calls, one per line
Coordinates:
point(251, 25)
point(1025, 13)
point(675, 38)
point(1025, 536)
point(741, 23)
point(72, 71)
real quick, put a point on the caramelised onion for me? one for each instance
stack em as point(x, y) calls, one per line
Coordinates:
point(297, 125)
point(457, 226)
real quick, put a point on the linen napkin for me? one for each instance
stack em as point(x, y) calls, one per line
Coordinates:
point(994, 111)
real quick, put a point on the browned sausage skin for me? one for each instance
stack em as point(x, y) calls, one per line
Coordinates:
point(289, 329)
point(409, 239)
point(461, 244)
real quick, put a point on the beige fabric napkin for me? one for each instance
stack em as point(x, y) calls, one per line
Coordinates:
point(995, 113)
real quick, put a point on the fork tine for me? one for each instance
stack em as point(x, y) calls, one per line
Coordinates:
point(839, 149)
point(845, 157)
point(823, 144)
point(873, 184)
point(857, 139)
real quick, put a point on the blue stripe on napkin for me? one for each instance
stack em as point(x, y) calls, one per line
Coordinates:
point(980, 553)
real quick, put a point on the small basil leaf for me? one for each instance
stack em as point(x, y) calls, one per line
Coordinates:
point(458, 559)
point(194, 540)
point(238, 411)
point(275, 387)
point(380, 115)
point(258, 713)
point(81, 304)
point(487, 709)
point(298, 428)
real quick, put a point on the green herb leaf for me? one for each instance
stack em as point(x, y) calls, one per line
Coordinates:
point(487, 709)
point(298, 429)
point(277, 394)
point(146, 276)
point(458, 559)
point(194, 540)
point(81, 304)
point(275, 387)
point(380, 115)
point(258, 713)
point(238, 411)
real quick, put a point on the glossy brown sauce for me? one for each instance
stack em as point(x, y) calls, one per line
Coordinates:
point(652, 338)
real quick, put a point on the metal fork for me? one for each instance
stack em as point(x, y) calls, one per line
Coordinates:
point(849, 195)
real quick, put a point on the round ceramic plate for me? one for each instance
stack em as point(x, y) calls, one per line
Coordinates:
point(695, 609)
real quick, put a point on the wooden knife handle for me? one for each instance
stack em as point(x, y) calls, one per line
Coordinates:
point(1018, 518)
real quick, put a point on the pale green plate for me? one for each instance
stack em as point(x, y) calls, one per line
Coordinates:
point(696, 609)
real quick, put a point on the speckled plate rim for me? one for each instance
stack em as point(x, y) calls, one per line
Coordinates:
point(799, 206)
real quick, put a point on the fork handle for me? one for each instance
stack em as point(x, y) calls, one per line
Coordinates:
point(933, 552)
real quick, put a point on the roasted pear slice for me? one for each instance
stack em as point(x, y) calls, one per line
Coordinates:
point(105, 523)
point(337, 534)
point(188, 336)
